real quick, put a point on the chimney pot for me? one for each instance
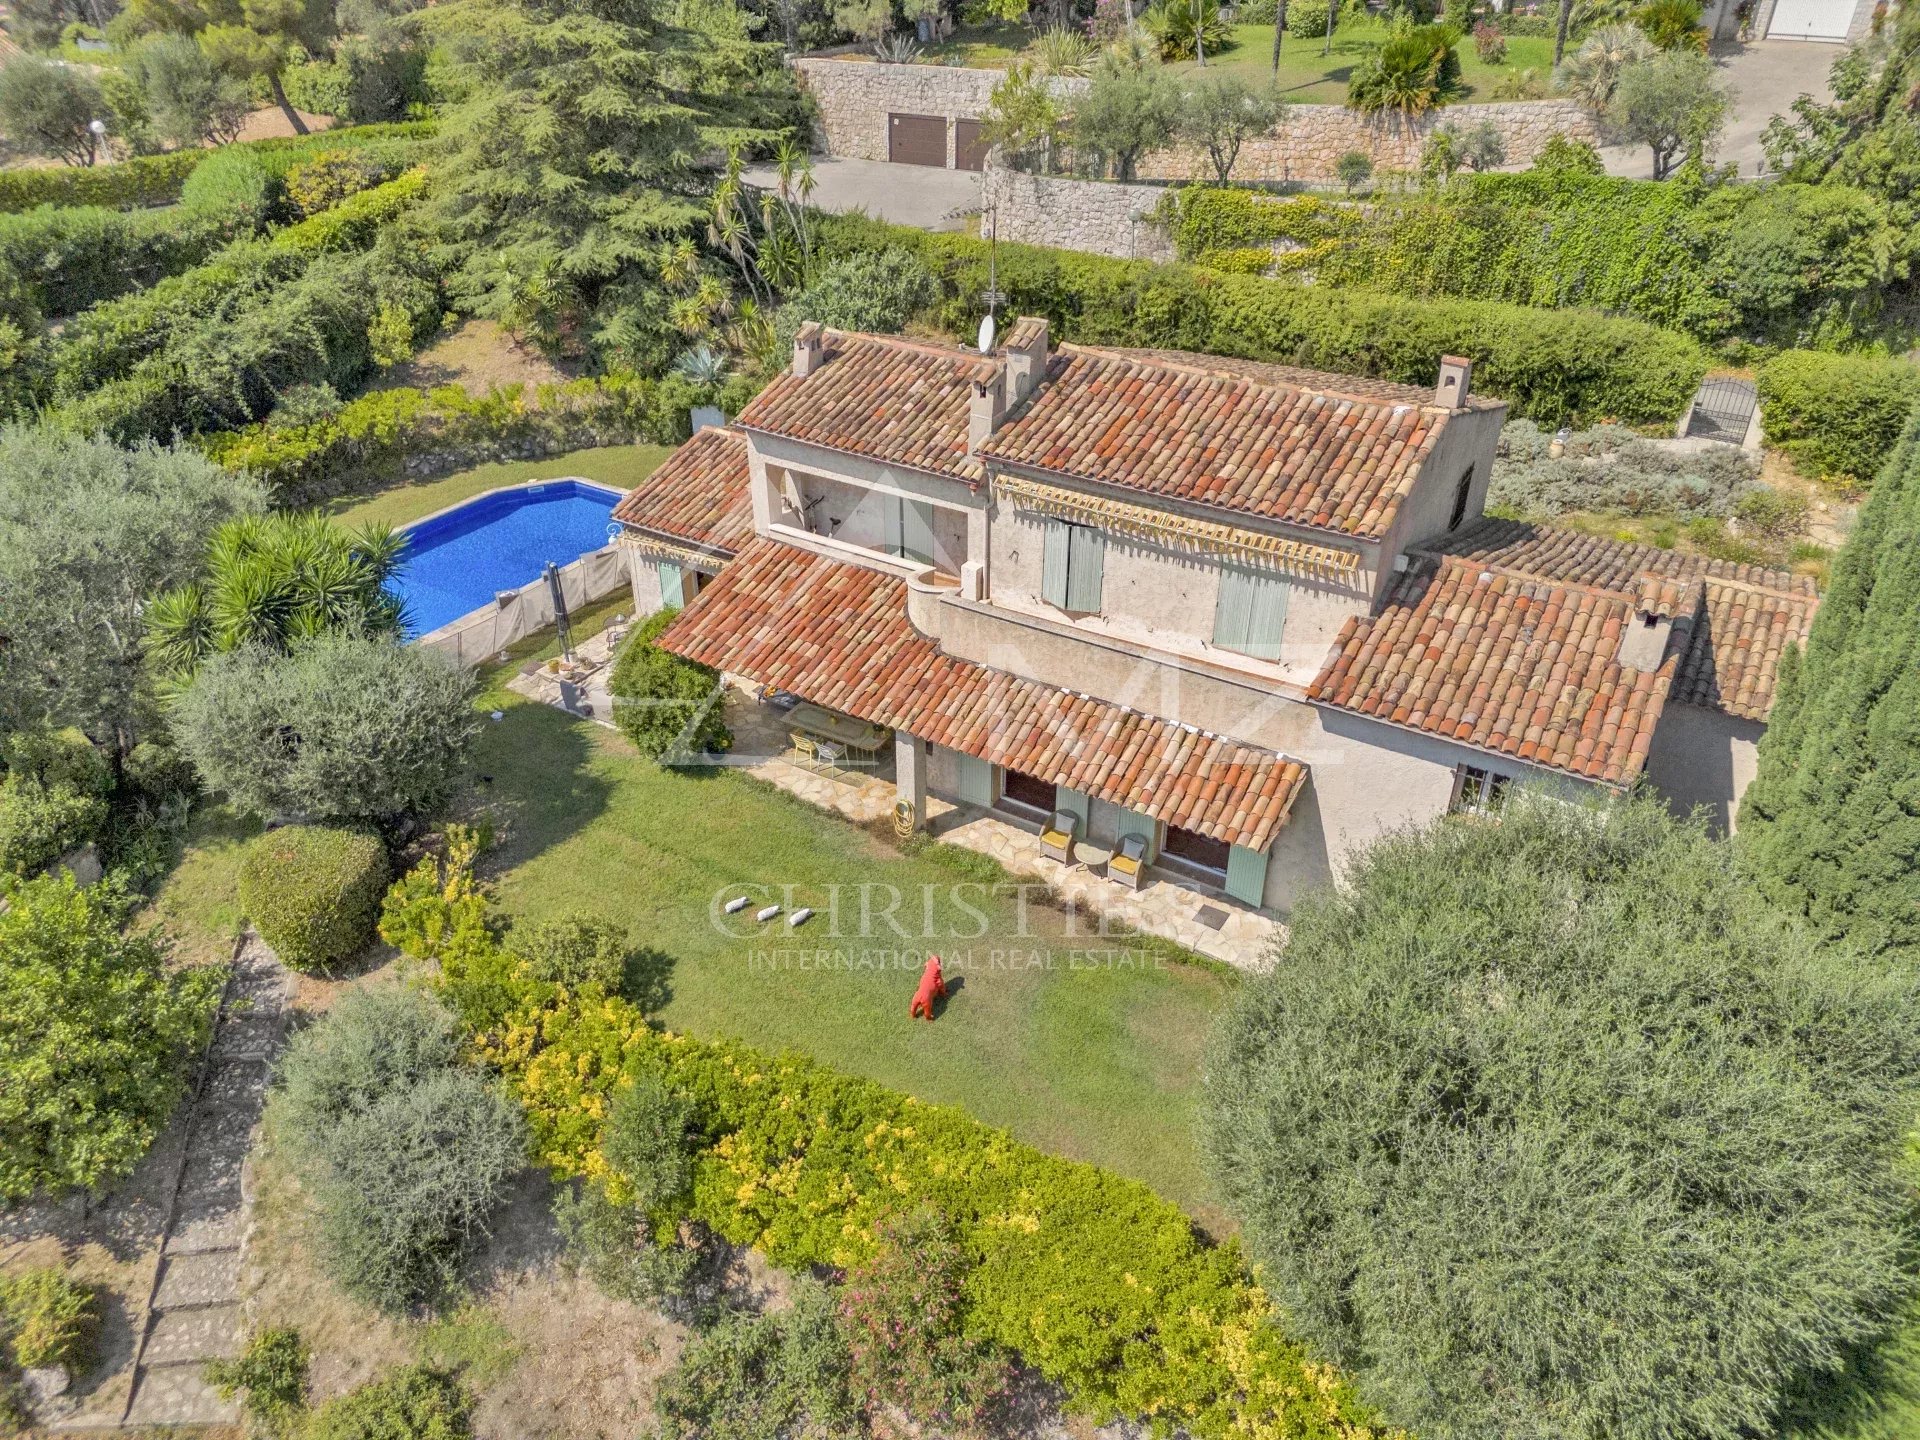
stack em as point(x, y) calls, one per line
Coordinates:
point(1456, 376)
point(1026, 350)
point(807, 349)
point(986, 403)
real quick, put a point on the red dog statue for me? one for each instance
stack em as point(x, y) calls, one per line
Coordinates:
point(933, 986)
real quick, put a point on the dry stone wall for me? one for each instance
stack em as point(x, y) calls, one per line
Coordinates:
point(856, 96)
point(1097, 216)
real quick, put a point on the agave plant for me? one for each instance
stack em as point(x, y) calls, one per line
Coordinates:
point(896, 49)
point(702, 364)
point(1060, 51)
point(1591, 72)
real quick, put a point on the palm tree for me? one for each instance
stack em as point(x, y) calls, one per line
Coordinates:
point(1592, 71)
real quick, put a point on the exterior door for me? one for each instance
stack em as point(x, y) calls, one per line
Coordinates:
point(917, 140)
point(969, 150)
point(1810, 19)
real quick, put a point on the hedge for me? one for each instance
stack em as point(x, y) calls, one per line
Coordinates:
point(45, 1319)
point(1552, 365)
point(157, 179)
point(313, 892)
point(1837, 415)
point(1102, 1286)
point(373, 437)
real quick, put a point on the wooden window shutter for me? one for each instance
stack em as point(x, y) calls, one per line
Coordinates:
point(1053, 567)
point(1269, 617)
point(672, 585)
point(1233, 613)
point(1087, 554)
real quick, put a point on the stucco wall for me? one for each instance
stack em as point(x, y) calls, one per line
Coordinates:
point(1704, 758)
point(856, 96)
point(645, 579)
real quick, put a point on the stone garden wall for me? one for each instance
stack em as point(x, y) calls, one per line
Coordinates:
point(856, 96)
point(1097, 216)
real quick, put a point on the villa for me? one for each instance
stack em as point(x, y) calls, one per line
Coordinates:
point(1231, 619)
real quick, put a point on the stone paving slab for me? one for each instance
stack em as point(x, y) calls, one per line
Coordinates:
point(238, 1085)
point(253, 1035)
point(182, 1336)
point(177, 1395)
point(211, 1278)
point(213, 1221)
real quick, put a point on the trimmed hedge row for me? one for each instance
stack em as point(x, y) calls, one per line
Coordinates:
point(1554, 366)
point(313, 891)
point(1097, 1282)
point(1837, 415)
point(157, 179)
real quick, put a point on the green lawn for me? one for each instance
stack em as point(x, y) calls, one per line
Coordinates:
point(621, 466)
point(1094, 1055)
point(1305, 74)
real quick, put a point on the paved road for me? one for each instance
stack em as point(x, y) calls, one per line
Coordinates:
point(1766, 77)
point(916, 195)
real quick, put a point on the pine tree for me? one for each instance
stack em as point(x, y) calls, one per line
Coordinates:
point(581, 148)
point(1831, 823)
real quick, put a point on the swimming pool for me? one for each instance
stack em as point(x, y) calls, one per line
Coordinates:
point(459, 560)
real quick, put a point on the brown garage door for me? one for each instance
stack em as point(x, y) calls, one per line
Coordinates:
point(969, 150)
point(917, 140)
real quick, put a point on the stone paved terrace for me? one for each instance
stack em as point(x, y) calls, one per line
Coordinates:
point(1188, 913)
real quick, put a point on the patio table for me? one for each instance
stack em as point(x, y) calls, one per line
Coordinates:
point(838, 729)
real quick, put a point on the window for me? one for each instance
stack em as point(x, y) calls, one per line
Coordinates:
point(1196, 849)
point(1071, 566)
point(1251, 612)
point(1461, 494)
point(909, 529)
point(1029, 790)
point(1478, 792)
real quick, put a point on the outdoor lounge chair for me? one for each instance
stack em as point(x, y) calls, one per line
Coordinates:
point(1129, 862)
point(1057, 839)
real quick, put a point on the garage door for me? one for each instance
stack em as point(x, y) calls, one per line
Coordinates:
point(917, 140)
point(1810, 19)
point(969, 150)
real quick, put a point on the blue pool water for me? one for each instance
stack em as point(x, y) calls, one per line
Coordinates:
point(458, 561)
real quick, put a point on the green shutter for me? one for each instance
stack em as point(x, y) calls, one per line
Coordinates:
point(1233, 613)
point(1076, 802)
point(1053, 568)
point(917, 531)
point(1132, 822)
point(1247, 875)
point(672, 585)
point(1269, 617)
point(976, 780)
point(1087, 553)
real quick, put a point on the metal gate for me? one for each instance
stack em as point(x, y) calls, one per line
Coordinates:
point(917, 140)
point(1722, 410)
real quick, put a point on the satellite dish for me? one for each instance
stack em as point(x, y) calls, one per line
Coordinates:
point(986, 334)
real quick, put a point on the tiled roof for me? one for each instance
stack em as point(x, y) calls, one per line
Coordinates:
point(1327, 382)
point(1748, 614)
point(891, 400)
point(1503, 662)
point(1188, 431)
point(699, 495)
point(838, 635)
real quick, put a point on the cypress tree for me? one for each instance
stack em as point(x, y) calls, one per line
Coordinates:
point(1831, 825)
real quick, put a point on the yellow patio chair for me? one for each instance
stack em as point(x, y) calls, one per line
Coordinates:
point(1129, 862)
point(1057, 839)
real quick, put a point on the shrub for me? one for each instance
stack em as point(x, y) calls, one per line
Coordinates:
point(901, 1314)
point(343, 729)
point(880, 291)
point(1776, 516)
point(1414, 71)
point(1611, 470)
point(374, 1042)
point(1304, 17)
point(647, 1145)
point(273, 1371)
point(669, 707)
point(762, 1377)
point(46, 1319)
point(1579, 1164)
point(417, 1403)
point(573, 951)
point(1174, 25)
point(1100, 1285)
point(313, 892)
point(1550, 365)
point(53, 797)
point(1836, 415)
point(329, 178)
point(96, 1034)
point(1672, 24)
point(1489, 43)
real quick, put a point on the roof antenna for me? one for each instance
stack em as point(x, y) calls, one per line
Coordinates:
point(993, 297)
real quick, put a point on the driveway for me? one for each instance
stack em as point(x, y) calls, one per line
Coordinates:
point(1766, 77)
point(916, 195)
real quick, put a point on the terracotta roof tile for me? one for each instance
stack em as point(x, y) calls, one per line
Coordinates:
point(1326, 382)
point(1189, 430)
point(838, 635)
point(1748, 614)
point(889, 399)
point(699, 495)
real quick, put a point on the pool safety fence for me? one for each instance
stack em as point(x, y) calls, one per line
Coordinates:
point(478, 637)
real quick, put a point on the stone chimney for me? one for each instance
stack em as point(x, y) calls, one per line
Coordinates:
point(986, 402)
point(1663, 611)
point(1456, 374)
point(807, 349)
point(1026, 353)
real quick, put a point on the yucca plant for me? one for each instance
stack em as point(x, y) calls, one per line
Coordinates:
point(1060, 51)
point(1174, 23)
point(1590, 73)
point(273, 581)
point(1409, 75)
point(899, 48)
point(1673, 24)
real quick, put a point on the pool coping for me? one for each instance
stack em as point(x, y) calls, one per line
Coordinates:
point(458, 621)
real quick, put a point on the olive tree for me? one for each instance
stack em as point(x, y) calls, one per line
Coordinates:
point(1675, 104)
point(1551, 1127)
point(48, 107)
